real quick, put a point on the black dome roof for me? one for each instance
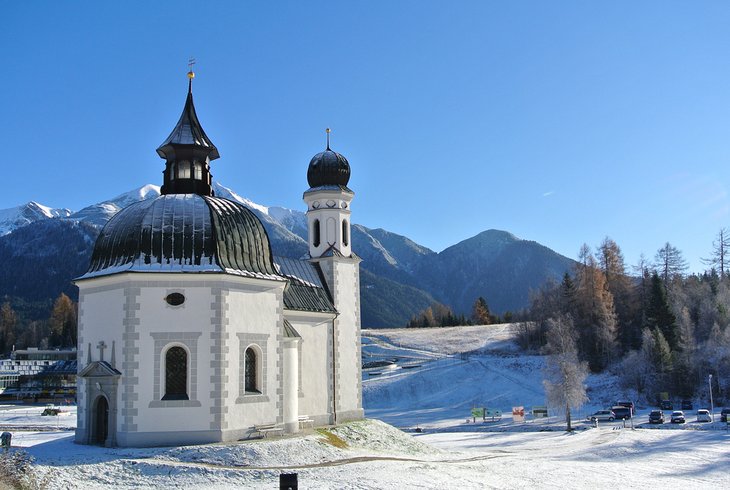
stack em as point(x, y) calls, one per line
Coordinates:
point(183, 233)
point(328, 168)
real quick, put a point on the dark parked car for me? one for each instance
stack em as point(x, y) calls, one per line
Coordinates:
point(678, 417)
point(622, 413)
point(656, 417)
point(666, 405)
point(723, 415)
point(686, 404)
point(627, 404)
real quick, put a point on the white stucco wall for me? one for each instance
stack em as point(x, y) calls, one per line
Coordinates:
point(347, 333)
point(157, 321)
point(314, 373)
point(100, 318)
point(254, 318)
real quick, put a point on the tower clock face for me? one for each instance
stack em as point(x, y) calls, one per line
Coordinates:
point(331, 204)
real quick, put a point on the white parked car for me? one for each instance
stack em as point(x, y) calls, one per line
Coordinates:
point(703, 416)
point(678, 417)
point(602, 416)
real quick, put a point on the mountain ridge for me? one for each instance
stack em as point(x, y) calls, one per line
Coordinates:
point(399, 277)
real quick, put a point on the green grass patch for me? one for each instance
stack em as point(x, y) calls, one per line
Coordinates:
point(332, 439)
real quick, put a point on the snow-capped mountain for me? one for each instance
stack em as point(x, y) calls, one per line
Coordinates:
point(98, 214)
point(19, 216)
point(399, 277)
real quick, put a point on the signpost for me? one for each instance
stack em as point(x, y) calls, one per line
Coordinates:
point(493, 413)
point(518, 414)
point(539, 411)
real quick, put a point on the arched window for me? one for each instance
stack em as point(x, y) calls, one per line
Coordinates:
point(198, 170)
point(183, 170)
point(345, 233)
point(176, 374)
point(251, 371)
point(315, 233)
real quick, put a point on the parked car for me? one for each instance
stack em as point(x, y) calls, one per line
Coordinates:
point(678, 417)
point(656, 417)
point(627, 404)
point(602, 416)
point(703, 415)
point(687, 405)
point(666, 405)
point(622, 413)
point(723, 415)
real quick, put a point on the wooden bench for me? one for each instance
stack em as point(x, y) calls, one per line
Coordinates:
point(305, 421)
point(267, 429)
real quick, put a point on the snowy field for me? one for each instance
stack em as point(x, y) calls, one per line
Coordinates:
point(426, 380)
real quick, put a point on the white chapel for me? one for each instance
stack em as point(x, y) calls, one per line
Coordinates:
point(191, 330)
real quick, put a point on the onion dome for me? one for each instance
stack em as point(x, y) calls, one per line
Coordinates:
point(328, 168)
point(184, 233)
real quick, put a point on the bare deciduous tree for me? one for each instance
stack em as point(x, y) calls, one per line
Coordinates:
point(564, 374)
point(720, 257)
point(669, 262)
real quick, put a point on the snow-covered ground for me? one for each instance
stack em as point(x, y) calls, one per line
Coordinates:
point(427, 379)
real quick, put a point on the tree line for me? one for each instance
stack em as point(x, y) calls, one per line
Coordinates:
point(58, 330)
point(660, 329)
point(440, 315)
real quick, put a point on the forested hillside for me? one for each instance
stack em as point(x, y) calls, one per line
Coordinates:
point(661, 330)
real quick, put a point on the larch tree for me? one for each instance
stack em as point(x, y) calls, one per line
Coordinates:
point(595, 315)
point(480, 312)
point(63, 322)
point(565, 374)
point(720, 258)
point(611, 262)
point(669, 263)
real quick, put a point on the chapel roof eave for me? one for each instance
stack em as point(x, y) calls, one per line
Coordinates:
point(329, 188)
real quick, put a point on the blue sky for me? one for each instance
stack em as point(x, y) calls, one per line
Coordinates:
point(561, 122)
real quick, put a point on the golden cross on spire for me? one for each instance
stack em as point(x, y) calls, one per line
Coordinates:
point(191, 73)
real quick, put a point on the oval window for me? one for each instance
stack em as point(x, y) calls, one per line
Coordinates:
point(175, 299)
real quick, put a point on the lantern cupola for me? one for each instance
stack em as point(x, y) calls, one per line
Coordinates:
point(188, 152)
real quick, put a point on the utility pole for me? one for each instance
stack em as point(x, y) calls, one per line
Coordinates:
point(712, 408)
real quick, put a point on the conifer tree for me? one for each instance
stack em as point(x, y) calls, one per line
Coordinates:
point(480, 312)
point(63, 322)
point(628, 321)
point(595, 316)
point(659, 315)
point(8, 322)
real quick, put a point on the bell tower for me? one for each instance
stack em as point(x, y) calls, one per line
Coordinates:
point(328, 215)
point(328, 203)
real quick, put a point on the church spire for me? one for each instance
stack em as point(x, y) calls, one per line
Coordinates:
point(188, 152)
